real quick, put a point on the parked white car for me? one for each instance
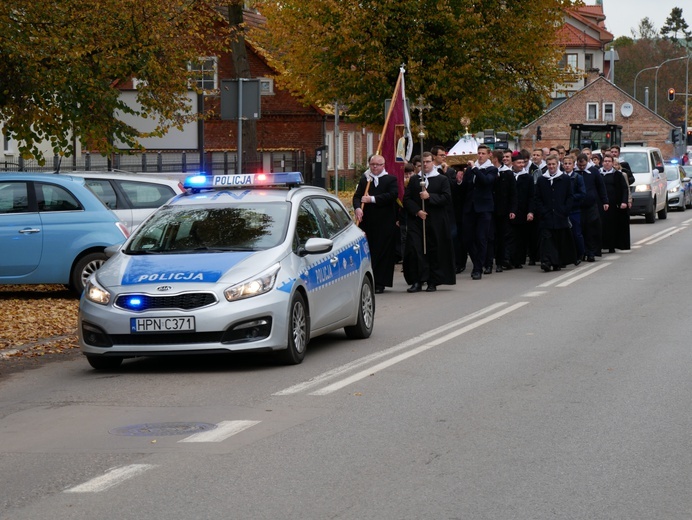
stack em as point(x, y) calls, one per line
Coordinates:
point(131, 197)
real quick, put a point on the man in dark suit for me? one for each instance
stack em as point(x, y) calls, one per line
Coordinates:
point(476, 187)
point(505, 208)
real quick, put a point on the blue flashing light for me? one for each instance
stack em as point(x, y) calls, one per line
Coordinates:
point(674, 161)
point(134, 302)
point(244, 180)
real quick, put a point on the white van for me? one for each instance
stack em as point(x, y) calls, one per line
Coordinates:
point(650, 188)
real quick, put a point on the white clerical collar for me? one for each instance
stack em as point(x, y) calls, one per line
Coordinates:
point(375, 179)
point(486, 164)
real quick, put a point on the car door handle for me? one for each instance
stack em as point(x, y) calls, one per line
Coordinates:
point(356, 248)
point(334, 261)
point(29, 231)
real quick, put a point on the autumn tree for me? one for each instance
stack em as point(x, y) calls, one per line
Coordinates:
point(676, 27)
point(494, 61)
point(645, 31)
point(61, 62)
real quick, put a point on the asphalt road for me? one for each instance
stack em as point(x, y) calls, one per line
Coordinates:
point(526, 395)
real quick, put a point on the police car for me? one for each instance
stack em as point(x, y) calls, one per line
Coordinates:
point(240, 262)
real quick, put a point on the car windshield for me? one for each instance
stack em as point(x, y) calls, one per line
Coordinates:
point(638, 161)
point(185, 229)
point(672, 173)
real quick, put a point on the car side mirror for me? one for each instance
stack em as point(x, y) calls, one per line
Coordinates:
point(685, 179)
point(316, 246)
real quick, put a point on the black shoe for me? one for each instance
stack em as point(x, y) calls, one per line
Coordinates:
point(590, 259)
point(518, 266)
point(611, 250)
point(498, 269)
point(476, 275)
point(506, 266)
point(379, 289)
point(577, 261)
point(545, 267)
point(431, 287)
point(414, 288)
point(532, 262)
point(556, 268)
point(461, 269)
point(487, 270)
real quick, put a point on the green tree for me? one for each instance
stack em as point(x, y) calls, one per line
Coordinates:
point(61, 62)
point(646, 30)
point(494, 61)
point(676, 25)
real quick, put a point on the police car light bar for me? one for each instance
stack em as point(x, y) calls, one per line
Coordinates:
point(243, 180)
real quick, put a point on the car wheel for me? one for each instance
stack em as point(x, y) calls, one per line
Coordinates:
point(650, 217)
point(663, 214)
point(688, 202)
point(104, 362)
point(86, 265)
point(366, 313)
point(298, 332)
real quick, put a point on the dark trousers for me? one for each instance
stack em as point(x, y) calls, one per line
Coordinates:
point(476, 231)
point(575, 220)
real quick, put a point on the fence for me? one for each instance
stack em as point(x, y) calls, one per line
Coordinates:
point(214, 162)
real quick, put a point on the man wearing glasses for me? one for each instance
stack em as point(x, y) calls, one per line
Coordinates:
point(374, 204)
point(429, 255)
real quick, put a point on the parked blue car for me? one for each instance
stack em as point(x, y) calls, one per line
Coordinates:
point(53, 229)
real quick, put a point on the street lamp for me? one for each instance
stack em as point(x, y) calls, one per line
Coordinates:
point(656, 81)
point(635, 79)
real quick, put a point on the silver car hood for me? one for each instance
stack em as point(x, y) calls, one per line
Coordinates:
point(135, 272)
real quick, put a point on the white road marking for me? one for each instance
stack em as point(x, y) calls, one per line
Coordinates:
point(651, 237)
point(111, 478)
point(600, 266)
point(533, 294)
point(558, 279)
point(672, 232)
point(401, 357)
point(338, 371)
point(224, 430)
point(688, 221)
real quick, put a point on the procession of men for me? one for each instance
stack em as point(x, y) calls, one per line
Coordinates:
point(548, 207)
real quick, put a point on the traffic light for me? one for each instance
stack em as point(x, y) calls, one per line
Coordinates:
point(689, 138)
point(676, 135)
point(539, 133)
point(671, 94)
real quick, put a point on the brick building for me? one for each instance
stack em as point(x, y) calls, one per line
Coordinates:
point(600, 101)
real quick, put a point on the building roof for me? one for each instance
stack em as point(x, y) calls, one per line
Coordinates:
point(578, 97)
point(593, 20)
point(570, 36)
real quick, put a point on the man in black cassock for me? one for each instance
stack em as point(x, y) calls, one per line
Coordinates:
point(429, 253)
point(375, 207)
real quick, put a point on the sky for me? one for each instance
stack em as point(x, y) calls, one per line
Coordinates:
point(624, 15)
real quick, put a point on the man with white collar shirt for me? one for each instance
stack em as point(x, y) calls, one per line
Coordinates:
point(505, 207)
point(374, 204)
point(521, 227)
point(429, 254)
point(553, 200)
point(476, 187)
point(537, 166)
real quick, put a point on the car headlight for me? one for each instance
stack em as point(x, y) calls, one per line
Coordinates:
point(260, 284)
point(95, 293)
point(673, 190)
point(643, 187)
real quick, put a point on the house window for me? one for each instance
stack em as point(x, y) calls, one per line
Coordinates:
point(340, 145)
point(204, 73)
point(592, 111)
point(351, 149)
point(266, 86)
point(568, 61)
point(608, 112)
point(329, 138)
point(588, 61)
